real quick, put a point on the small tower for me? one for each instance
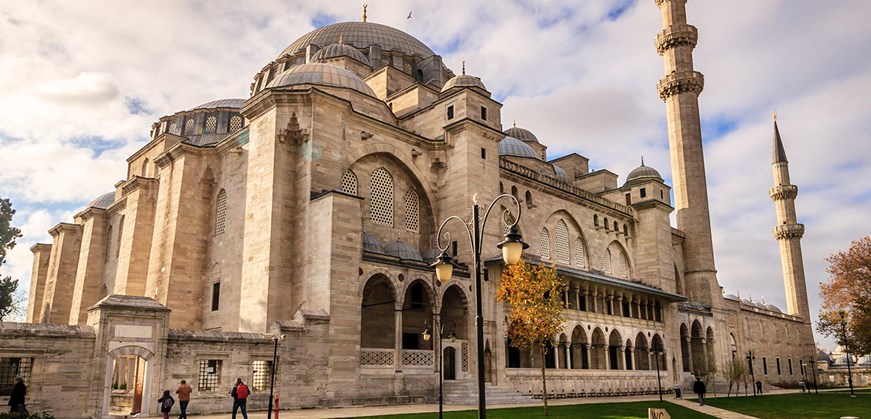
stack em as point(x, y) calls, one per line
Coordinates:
point(680, 89)
point(788, 231)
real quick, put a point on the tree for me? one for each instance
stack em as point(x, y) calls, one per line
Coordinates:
point(8, 235)
point(736, 372)
point(535, 296)
point(848, 292)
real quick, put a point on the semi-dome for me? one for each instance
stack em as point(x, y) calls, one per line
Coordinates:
point(402, 251)
point(463, 80)
point(643, 172)
point(103, 201)
point(221, 103)
point(510, 146)
point(561, 174)
point(361, 35)
point(322, 75)
point(521, 134)
point(429, 256)
point(340, 50)
point(371, 244)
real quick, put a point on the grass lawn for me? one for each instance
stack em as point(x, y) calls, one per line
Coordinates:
point(790, 406)
point(633, 410)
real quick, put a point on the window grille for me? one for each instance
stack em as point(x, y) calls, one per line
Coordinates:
point(211, 125)
point(221, 213)
point(210, 375)
point(108, 243)
point(606, 261)
point(580, 254)
point(545, 243)
point(120, 234)
point(382, 197)
point(262, 372)
point(189, 127)
point(412, 211)
point(621, 265)
point(11, 368)
point(235, 123)
point(173, 128)
point(349, 183)
point(562, 242)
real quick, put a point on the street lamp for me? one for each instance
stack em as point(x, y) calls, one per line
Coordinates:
point(658, 351)
point(843, 315)
point(512, 248)
point(814, 373)
point(453, 337)
point(275, 340)
point(750, 359)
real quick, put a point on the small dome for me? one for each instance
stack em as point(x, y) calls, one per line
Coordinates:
point(773, 307)
point(323, 75)
point(561, 174)
point(371, 244)
point(842, 360)
point(521, 134)
point(221, 103)
point(103, 201)
point(464, 80)
point(759, 305)
point(430, 255)
point(340, 50)
point(731, 297)
point(864, 360)
point(402, 251)
point(510, 146)
point(643, 172)
point(748, 302)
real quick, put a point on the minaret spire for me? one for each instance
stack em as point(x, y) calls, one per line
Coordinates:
point(788, 232)
point(680, 89)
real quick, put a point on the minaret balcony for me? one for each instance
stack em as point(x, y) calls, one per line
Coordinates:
point(778, 193)
point(676, 35)
point(788, 231)
point(680, 82)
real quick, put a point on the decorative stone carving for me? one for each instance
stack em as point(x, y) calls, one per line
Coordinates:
point(778, 193)
point(788, 231)
point(676, 35)
point(683, 82)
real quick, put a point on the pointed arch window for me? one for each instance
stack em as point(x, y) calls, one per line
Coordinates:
point(189, 127)
point(622, 271)
point(349, 182)
point(544, 237)
point(211, 125)
point(606, 262)
point(108, 254)
point(144, 170)
point(221, 213)
point(412, 211)
point(120, 234)
point(562, 242)
point(580, 254)
point(382, 197)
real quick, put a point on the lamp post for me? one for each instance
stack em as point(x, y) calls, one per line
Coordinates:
point(843, 315)
point(750, 359)
point(814, 373)
point(275, 340)
point(657, 351)
point(453, 337)
point(512, 249)
point(804, 375)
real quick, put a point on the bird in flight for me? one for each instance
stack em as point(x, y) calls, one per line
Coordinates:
point(409, 14)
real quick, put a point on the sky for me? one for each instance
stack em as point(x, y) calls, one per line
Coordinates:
point(83, 81)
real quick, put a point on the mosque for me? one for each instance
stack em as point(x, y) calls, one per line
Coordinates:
point(303, 219)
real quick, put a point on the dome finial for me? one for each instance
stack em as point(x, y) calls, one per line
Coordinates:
point(642, 160)
point(340, 40)
point(364, 11)
point(464, 67)
point(515, 123)
point(775, 114)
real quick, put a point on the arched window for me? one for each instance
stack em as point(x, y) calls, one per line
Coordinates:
point(606, 262)
point(120, 234)
point(382, 197)
point(514, 191)
point(211, 125)
point(349, 182)
point(580, 254)
point(189, 127)
point(173, 128)
point(528, 199)
point(412, 211)
point(596, 220)
point(625, 230)
point(622, 272)
point(221, 213)
point(144, 170)
point(615, 226)
point(562, 242)
point(108, 243)
point(545, 243)
point(606, 223)
point(235, 123)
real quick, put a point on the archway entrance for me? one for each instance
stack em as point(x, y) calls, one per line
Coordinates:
point(128, 377)
point(450, 363)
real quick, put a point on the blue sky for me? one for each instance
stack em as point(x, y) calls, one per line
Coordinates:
point(84, 81)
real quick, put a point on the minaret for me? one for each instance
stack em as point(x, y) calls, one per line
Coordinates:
point(680, 89)
point(788, 231)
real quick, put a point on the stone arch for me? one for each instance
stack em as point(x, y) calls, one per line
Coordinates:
point(598, 350)
point(133, 363)
point(656, 343)
point(580, 349)
point(697, 348)
point(710, 360)
point(615, 358)
point(642, 352)
point(621, 266)
point(377, 319)
point(417, 309)
point(563, 348)
point(685, 352)
point(454, 306)
point(383, 272)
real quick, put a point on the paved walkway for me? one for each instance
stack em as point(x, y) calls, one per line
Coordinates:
point(711, 410)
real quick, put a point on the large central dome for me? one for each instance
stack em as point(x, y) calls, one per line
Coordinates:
point(361, 35)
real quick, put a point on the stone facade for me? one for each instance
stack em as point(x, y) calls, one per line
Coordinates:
point(310, 210)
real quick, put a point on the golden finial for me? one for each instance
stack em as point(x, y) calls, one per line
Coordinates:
point(515, 123)
point(364, 12)
point(775, 114)
point(464, 68)
point(340, 39)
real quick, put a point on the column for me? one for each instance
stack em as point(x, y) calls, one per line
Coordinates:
point(705, 352)
point(689, 359)
point(397, 320)
point(632, 358)
point(595, 301)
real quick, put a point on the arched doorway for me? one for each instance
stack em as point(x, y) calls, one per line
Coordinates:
point(597, 354)
point(642, 352)
point(127, 381)
point(686, 360)
point(580, 349)
point(614, 352)
point(417, 311)
point(450, 363)
point(697, 349)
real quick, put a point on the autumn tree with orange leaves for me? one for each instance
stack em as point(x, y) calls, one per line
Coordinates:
point(848, 292)
point(535, 296)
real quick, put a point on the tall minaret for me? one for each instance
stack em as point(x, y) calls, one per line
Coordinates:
point(788, 231)
point(680, 89)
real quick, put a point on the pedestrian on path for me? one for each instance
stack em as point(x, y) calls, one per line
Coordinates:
point(759, 386)
point(699, 388)
point(240, 394)
point(184, 397)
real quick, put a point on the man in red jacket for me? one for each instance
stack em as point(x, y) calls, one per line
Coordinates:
point(184, 397)
point(240, 394)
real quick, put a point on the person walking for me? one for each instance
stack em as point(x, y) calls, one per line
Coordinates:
point(759, 386)
point(240, 394)
point(165, 404)
point(16, 398)
point(699, 388)
point(184, 397)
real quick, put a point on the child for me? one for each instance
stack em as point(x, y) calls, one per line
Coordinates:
point(166, 403)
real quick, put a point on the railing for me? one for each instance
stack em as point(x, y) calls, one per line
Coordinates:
point(417, 358)
point(587, 383)
point(376, 357)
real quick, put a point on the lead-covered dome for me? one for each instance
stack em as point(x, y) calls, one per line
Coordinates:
point(402, 251)
point(340, 50)
point(221, 103)
point(361, 35)
point(103, 201)
point(510, 146)
point(521, 134)
point(643, 172)
point(464, 80)
point(322, 75)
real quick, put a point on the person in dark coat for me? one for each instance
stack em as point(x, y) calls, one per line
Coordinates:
point(699, 388)
point(16, 399)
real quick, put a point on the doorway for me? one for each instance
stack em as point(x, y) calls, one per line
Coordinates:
point(450, 363)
